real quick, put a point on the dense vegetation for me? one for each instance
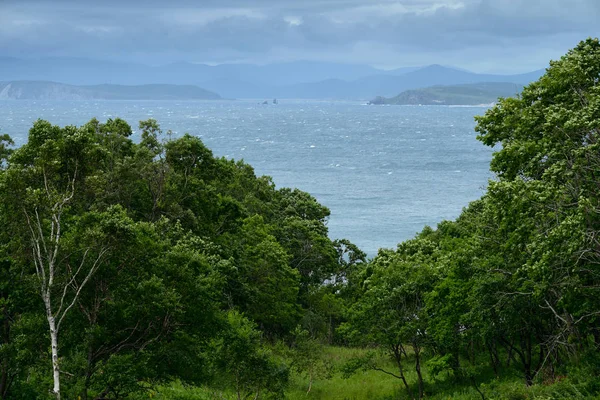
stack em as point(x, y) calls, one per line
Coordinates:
point(151, 261)
point(155, 269)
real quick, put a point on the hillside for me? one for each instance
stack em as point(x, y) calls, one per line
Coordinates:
point(299, 79)
point(82, 71)
point(465, 94)
point(390, 85)
point(43, 90)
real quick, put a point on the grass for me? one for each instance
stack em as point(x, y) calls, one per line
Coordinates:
point(375, 385)
point(363, 385)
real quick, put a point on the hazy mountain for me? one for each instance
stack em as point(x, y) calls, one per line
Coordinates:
point(88, 72)
point(401, 71)
point(386, 85)
point(74, 71)
point(465, 94)
point(439, 75)
point(42, 90)
point(302, 79)
point(233, 88)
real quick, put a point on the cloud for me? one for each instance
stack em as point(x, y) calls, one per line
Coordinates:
point(382, 32)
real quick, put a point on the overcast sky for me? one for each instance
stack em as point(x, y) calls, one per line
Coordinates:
point(500, 36)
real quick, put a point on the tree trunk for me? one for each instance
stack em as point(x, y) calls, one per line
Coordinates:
point(54, 344)
point(528, 376)
point(526, 347)
point(477, 388)
point(237, 386)
point(417, 351)
point(524, 354)
point(398, 356)
point(493, 358)
point(509, 355)
point(88, 373)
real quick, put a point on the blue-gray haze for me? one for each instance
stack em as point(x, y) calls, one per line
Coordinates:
point(385, 172)
point(497, 36)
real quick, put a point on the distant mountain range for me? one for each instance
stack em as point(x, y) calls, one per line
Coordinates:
point(43, 90)
point(465, 94)
point(317, 80)
point(386, 85)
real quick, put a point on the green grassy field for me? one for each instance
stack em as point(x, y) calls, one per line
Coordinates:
point(375, 385)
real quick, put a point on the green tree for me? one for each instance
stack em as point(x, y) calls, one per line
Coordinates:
point(39, 184)
point(142, 253)
point(239, 353)
point(392, 311)
point(307, 357)
point(546, 201)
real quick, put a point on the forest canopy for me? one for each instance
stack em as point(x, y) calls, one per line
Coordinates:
point(149, 261)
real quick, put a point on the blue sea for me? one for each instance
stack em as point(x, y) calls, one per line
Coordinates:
point(384, 171)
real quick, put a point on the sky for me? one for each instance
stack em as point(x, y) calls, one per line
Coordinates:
point(495, 36)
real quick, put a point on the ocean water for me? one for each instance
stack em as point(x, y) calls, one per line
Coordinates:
point(384, 171)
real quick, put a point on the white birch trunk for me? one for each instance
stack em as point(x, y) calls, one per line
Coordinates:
point(54, 344)
point(45, 249)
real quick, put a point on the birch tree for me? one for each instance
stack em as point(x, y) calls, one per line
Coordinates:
point(39, 186)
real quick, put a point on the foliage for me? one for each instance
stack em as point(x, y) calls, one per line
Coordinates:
point(142, 253)
point(307, 357)
point(239, 354)
point(513, 282)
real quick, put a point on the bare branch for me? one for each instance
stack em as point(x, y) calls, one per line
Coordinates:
point(555, 313)
point(586, 316)
point(39, 226)
point(76, 296)
point(37, 255)
point(66, 287)
point(386, 372)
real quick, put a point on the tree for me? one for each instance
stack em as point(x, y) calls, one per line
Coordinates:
point(307, 357)
point(146, 315)
point(5, 151)
point(240, 355)
point(142, 255)
point(546, 201)
point(39, 184)
point(270, 285)
point(392, 312)
point(302, 230)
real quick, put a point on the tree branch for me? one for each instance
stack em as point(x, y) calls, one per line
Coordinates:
point(88, 276)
